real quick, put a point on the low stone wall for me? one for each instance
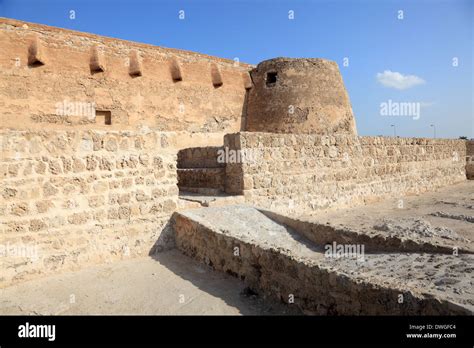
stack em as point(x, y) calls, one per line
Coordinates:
point(68, 199)
point(283, 269)
point(302, 173)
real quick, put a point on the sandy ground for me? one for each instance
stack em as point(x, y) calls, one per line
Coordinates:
point(445, 216)
point(169, 283)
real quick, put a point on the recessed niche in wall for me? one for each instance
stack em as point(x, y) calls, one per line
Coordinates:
point(271, 78)
point(103, 117)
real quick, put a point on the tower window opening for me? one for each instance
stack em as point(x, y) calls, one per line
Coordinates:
point(271, 78)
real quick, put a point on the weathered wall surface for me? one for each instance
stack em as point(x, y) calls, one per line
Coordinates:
point(30, 93)
point(299, 95)
point(72, 198)
point(298, 173)
point(76, 191)
point(470, 159)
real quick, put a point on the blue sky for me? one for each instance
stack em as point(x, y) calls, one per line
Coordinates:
point(413, 56)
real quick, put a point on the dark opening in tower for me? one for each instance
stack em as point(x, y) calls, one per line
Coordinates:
point(271, 78)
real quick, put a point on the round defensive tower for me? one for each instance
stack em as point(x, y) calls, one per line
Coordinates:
point(299, 95)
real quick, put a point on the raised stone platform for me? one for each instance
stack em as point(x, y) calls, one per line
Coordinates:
point(432, 222)
point(278, 261)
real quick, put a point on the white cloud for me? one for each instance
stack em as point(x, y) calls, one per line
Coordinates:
point(396, 80)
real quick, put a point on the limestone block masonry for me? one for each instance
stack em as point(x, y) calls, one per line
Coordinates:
point(95, 133)
point(68, 199)
point(302, 173)
point(200, 170)
point(275, 261)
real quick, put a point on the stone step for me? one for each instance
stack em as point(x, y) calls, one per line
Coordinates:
point(200, 157)
point(278, 262)
point(202, 178)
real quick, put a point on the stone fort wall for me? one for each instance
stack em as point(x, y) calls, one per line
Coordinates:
point(301, 173)
point(91, 196)
point(140, 85)
point(72, 198)
point(77, 191)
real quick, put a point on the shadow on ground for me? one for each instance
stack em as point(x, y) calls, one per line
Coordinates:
point(210, 281)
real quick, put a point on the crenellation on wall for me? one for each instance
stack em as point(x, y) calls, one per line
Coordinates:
point(175, 69)
point(216, 76)
point(86, 69)
point(36, 55)
point(135, 65)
